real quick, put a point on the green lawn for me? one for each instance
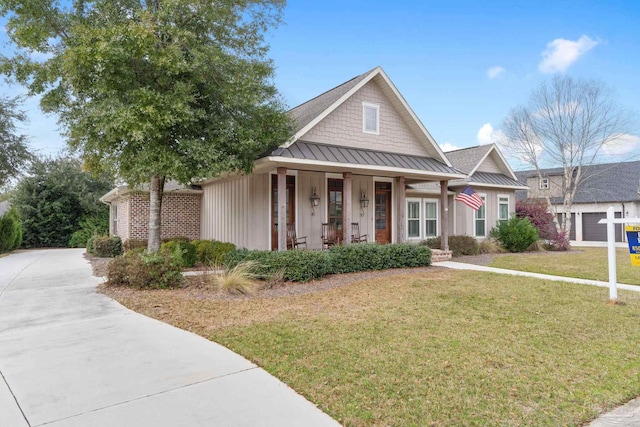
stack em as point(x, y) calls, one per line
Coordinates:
point(584, 263)
point(437, 348)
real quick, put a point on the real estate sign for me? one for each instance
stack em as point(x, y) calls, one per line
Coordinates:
point(633, 237)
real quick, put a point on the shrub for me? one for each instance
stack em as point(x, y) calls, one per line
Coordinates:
point(131, 244)
point(490, 246)
point(559, 243)
point(181, 250)
point(10, 231)
point(536, 211)
point(516, 234)
point(105, 246)
point(142, 271)
point(458, 245)
point(304, 265)
point(97, 224)
point(211, 251)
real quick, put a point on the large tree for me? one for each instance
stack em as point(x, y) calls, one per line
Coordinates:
point(53, 199)
point(156, 89)
point(14, 151)
point(565, 124)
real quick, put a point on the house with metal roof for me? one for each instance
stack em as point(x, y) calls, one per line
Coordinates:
point(602, 185)
point(488, 173)
point(358, 157)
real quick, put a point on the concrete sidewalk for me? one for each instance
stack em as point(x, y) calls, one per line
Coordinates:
point(627, 415)
point(72, 357)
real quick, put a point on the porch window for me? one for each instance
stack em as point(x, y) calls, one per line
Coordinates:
point(480, 219)
point(430, 219)
point(370, 118)
point(422, 218)
point(503, 209)
point(413, 219)
point(335, 187)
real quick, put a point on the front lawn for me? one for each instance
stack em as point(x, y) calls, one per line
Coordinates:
point(440, 347)
point(583, 263)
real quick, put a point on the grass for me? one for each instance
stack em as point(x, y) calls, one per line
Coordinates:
point(436, 348)
point(585, 263)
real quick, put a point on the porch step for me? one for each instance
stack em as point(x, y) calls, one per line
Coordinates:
point(440, 255)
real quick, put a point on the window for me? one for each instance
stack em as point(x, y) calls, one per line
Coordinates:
point(413, 219)
point(370, 118)
point(480, 219)
point(430, 219)
point(544, 183)
point(503, 208)
point(114, 219)
point(422, 222)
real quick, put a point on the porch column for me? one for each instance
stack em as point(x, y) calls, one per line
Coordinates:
point(402, 210)
point(282, 209)
point(346, 208)
point(444, 216)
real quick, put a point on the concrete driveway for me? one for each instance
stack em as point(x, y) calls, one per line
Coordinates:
point(72, 357)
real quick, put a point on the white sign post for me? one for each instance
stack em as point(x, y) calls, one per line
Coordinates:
point(611, 246)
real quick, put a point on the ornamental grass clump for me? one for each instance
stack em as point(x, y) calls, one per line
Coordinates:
point(239, 280)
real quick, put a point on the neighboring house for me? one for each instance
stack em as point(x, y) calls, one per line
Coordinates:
point(358, 155)
point(603, 185)
point(488, 174)
point(4, 207)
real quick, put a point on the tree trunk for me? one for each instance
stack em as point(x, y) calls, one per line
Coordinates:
point(155, 209)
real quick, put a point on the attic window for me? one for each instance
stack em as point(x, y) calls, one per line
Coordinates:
point(370, 118)
point(544, 183)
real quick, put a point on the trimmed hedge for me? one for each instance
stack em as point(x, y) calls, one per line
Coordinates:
point(143, 271)
point(104, 246)
point(305, 265)
point(211, 251)
point(182, 251)
point(10, 230)
point(458, 245)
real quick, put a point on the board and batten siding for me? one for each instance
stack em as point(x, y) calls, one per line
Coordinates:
point(236, 211)
point(464, 214)
point(344, 126)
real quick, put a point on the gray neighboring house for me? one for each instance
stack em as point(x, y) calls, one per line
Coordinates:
point(488, 174)
point(603, 185)
point(4, 207)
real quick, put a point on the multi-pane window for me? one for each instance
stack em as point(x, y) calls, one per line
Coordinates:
point(413, 219)
point(480, 220)
point(503, 208)
point(544, 183)
point(422, 218)
point(114, 219)
point(430, 219)
point(370, 118)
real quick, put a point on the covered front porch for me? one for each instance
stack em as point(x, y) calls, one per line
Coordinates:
point(305, 194)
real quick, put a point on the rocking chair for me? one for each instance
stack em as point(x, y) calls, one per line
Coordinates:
point(330, 236)
point(294, 242)
point(355, 234)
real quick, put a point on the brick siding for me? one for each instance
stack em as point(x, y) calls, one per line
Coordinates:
point(180, 216)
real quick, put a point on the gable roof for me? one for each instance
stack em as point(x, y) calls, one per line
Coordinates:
point(468, 159)
point(310, 113)
point(602, 183)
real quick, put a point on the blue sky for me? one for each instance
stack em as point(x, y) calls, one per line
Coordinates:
point(461, 65)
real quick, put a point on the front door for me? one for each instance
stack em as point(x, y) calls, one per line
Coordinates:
point(383, 212)
point(291, 207)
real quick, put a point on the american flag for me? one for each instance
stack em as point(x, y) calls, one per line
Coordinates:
point(470, 198)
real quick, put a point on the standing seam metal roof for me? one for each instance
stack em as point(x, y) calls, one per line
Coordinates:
point(349, 155)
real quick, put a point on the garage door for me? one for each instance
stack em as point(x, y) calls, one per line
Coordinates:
point(572, 233)
point(594, 232)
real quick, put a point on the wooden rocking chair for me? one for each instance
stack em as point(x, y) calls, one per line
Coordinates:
point(355, 234)
point(294, 242)
point(330, 235)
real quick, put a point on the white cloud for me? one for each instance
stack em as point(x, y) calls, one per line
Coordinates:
point(561, 53)
point(621, 144)
point(495, 72)
point(448, 147)
point(488, 135)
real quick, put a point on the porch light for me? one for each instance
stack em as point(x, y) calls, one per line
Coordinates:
point(315, 200)
point(364, 202)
